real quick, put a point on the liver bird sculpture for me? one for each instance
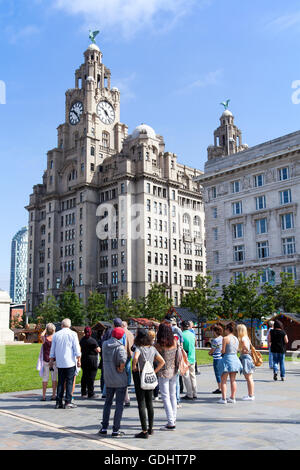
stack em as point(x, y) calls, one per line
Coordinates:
point(93, 35)
point(225, 104)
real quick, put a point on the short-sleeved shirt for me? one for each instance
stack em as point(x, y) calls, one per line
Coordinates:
point(189, 345)
point(216, 344)
point(277, 341)
point(88, 346)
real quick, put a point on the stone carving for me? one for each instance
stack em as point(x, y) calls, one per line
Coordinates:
point(270, 176)
point(223, 189)
point(246, 182)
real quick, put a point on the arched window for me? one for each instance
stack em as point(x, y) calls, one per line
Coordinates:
point(197, 220)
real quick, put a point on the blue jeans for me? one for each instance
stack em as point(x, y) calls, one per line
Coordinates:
point(270, 359)
point(177, 389)
point(65, 375)
point(120, 396)
point(278, 358)
point(216, 364)
point(128, 370)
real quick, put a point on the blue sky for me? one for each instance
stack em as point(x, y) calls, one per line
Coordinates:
point(174, 62)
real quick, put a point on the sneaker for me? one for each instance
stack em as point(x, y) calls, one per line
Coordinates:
point(179, 405)
point(282, 379)
point(248, 398)
point(70, 406)
point(142, 435)
point(168, 428)
point(83, 395)
point(231, 400)
point(217, 391)
point(156, 399)
point(150, 432)
point(117, 434)
point(127, 404)
point(102, 432)
point(275, 377)
point(93, 397)
point(186, 397)
point(223, 402)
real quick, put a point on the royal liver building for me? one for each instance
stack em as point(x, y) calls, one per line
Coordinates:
point(115, 211)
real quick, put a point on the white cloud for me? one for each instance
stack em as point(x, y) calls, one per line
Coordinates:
point(211, 78)
point(129, 16)
point(284, 22)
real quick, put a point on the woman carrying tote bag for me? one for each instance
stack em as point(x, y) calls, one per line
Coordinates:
point(144, 353)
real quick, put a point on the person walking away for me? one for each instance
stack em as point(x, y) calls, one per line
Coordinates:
point(189, 347)
point(170, 320)
point(230, 364)
point(278, 343)
point(246, 360)
point(129, 340)
point(166, 345)
point(152, 335)
point(215, 352)
point(271, 326)
point(44, 359)
point(194, 333)
point(145, 351)
point(65, 349)
point(89, 363)
point(117, 323)
point(114, 359)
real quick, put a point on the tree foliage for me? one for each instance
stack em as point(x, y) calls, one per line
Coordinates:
point(71, 307)
point(96, 309)
point(48, 311)
point(156, 303)
point(202, 299)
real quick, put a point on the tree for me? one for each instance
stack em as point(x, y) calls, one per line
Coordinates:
point(157, 303)
point(230, 301)
point(96, 309)
point(251, 303)
point(287, 294)
point(48, 311)
point(71, 307)
point(126, 308)
point(202, 299)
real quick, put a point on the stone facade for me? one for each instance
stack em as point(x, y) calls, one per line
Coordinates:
point(114, 212)
point(251, 208)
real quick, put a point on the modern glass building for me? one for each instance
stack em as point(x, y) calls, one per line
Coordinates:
point(18, 269)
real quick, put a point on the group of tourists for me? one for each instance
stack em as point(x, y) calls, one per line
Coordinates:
point(161, 362)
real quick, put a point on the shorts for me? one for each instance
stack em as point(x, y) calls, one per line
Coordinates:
point(46, 371)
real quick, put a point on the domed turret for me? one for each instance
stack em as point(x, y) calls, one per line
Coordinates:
point(143, 130)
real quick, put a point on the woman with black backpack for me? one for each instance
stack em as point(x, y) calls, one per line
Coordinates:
point(144, 352)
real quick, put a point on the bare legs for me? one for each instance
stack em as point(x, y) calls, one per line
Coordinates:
point(250, 384)
point(224, 377)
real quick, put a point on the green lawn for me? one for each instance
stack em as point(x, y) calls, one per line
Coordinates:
point(19, 372)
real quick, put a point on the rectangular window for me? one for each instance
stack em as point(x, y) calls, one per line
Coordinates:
point(287, 221)
point(261, 226)
point(215, 233)
point(238, 230)
point(148, 188)
point(285, 197)
point(216, 257)
point(260, 202)
point(235, 187)
point(237, 208)
point(214, 212)
point(288, 246)
point(290, 270)
point(148, 205)
point(213, 192)
point(122, 188)
point(283, 173)
point(263, 249)
point(239, 253)
point(258, 180)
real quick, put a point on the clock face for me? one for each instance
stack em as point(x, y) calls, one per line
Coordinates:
point(75, 113)
point(106, 112)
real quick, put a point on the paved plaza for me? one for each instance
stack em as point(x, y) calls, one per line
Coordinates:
point(271, 422)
